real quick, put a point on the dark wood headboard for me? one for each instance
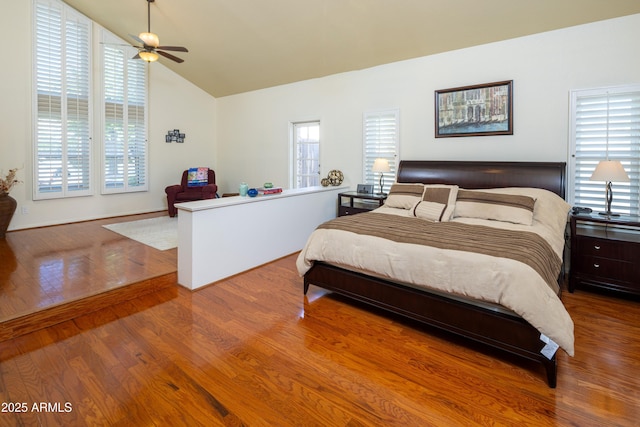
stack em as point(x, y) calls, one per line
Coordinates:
point(477, 175)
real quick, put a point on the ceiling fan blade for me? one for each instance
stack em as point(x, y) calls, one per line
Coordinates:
point(115, 44)
point(136, 38)
point(137, 56)
point(168, 55)
point(174, 48)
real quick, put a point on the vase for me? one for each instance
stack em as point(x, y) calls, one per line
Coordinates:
point(7, 208)
point(243, 189)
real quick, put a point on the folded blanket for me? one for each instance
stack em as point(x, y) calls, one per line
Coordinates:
point(197, 177)
point(526, 247)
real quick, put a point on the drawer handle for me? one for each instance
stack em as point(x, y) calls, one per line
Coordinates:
point(596, 265)
point(596, 247)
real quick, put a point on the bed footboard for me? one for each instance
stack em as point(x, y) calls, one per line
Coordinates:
point(499, 330)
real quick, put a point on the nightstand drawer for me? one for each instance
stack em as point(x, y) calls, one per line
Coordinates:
point(623, 251)
point(607, 268)
point(344, 210)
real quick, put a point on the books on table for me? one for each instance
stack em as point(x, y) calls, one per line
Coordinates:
point(272, 190)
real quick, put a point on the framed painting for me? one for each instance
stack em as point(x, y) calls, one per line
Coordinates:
point(478, 110)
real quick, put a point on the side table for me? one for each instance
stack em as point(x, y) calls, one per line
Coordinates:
point(605, 251)
point(352, 202)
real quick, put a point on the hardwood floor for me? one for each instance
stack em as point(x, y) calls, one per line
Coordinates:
point(252, 350)
point(51, 274)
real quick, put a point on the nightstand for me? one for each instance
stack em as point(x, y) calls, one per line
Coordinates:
point(352, 202)
point(605, 252)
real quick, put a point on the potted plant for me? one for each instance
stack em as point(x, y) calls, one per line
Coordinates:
point(7, 203)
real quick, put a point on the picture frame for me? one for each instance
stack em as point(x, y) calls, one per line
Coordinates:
point(175, 136)
point(365, 188)
point(477, 110)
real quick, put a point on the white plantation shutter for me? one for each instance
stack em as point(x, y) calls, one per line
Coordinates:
point(605, 124)
point(381, 137)
point(124, 105)
point(62, 143)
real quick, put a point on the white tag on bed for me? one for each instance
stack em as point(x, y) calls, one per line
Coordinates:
point(550, 347)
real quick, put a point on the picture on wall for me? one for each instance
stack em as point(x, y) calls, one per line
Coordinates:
point(478, 110)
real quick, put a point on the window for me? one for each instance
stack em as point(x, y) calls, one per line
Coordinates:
point(380, 140)
point(62, 143)
point(306, 154)
point(605, 124)
point(124, 112)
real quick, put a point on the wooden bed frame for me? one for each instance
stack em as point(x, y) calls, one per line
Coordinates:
point(500, 330)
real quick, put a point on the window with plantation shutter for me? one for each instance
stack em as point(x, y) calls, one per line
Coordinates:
point(380, 140)
point(605, 125)
point(62, 143)
point(124, 113)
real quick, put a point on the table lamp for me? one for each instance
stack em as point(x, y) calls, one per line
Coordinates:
point(382, 166)
point(608, 171)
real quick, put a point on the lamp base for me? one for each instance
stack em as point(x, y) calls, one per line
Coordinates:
point(608, 213)
point(381, 193)
point(609, 199)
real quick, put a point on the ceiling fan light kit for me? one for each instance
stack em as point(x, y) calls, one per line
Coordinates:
point(151, 48)
point(149, 39)
point(148, 56)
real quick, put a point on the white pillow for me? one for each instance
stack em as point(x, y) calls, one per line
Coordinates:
point(404, 196)
point(437, 204)
point(550, 209)
point(517, 209)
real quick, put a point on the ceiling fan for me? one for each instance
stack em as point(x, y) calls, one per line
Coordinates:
point(151, 48)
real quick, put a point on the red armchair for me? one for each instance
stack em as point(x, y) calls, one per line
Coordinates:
point(186, 193)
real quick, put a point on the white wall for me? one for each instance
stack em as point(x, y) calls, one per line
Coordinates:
point(544, 67)
point(245, 137)
point(173, 103)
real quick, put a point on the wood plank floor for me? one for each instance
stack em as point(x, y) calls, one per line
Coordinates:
point(252, 350)
point(51, 274)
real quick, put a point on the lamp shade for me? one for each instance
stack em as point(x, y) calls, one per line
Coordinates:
point(610, 171)
point(381, 165)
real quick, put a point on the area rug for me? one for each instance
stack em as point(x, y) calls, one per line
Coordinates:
point(160, 233)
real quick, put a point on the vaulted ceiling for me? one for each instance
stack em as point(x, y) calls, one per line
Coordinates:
point(242, 45)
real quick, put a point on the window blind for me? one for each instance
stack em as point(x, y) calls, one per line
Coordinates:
point(124, 112)
point(606, 125)
point(381, 140)
point(62, 142)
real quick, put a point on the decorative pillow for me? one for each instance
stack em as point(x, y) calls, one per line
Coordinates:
point(437, 204)
point(404, 196)
point(197, 177)
point(512, 208)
